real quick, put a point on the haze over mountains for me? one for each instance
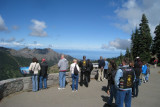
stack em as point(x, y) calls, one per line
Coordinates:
point(11, 60)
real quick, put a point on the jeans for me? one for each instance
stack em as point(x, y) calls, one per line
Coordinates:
point(147, 76)
point(41, 80)
point(75, 79)
point(124, 96)
point(112, 94)
point(135, 87)
point(62, 79)
point(144, 78)
point(106, 73)
point(34, 83)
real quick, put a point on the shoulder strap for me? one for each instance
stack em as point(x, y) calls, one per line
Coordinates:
point(35, 66)
point(75, 65)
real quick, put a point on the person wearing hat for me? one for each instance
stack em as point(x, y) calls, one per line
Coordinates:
point(43, 74)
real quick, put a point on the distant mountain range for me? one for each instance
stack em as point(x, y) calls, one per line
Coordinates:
point(11, 60)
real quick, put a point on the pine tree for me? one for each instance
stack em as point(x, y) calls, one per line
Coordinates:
point(120, 57)
point(127, 53)
point(136, 43)
point(156, 42)
point(146, 39)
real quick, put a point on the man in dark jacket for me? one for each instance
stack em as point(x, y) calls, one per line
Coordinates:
point(43, 74)
point(89, 70)
point(83, 65)
point(101, 64)
point(138, 70)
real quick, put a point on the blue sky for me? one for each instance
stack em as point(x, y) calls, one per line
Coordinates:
point(73, 24)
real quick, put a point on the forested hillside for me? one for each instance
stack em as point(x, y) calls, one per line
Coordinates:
point(11, 60)
point(9, 67)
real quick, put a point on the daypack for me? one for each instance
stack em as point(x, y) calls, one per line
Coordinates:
point(148, 70)
point(84, 63)
point(128, 77)
point(75, 70)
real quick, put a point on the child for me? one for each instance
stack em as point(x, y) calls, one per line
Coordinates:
point(144, 70)
point(148, 72)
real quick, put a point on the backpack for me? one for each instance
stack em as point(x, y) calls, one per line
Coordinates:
point(148, 70)
point(128, 77)
point(75, 70)
point(84, 63)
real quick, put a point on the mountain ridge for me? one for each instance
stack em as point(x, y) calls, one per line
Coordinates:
point(12, 60)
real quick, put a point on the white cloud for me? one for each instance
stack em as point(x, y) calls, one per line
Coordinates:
point(11, 39)
point(38, 28)
point(118, 43)
point(5, 44)
point(18, 44)
point(35, 45)
point(21, 40)
point(50, 45)
point(130, 14)
point(12, 44)
point(2, 25)
point(108, 47)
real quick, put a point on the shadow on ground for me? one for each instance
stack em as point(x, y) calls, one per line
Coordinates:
point(105, 98)
point(104, 88)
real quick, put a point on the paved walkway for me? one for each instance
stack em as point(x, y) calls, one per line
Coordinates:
point(93, 96)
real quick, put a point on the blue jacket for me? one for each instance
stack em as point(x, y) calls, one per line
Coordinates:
point(144, 69)
point(106, 65)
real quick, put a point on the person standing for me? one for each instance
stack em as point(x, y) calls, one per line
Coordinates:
point(101, 65)
point(43, 74)
point(35, 67)
point(144, 72)
point(74, 69)
point(140, 68)
point(111, 89)
point(155, 62)
point(124, 82)
point(148, 72)
point(106, 69)
point(63, 66)
point(83, 66)
point(89, 70)
point(137, 69)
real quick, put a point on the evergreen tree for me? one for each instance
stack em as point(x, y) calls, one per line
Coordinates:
point(131, 57)
point(156, 42)
point(135, 44)
point(145, 38)
point(127, 53)
point(120, 58)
